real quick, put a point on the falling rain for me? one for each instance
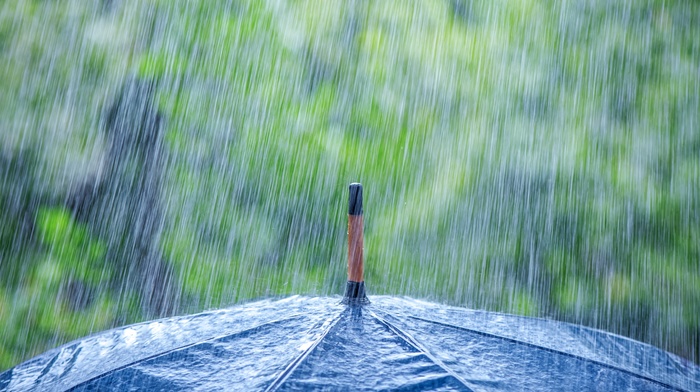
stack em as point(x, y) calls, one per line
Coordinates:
point(161, 158)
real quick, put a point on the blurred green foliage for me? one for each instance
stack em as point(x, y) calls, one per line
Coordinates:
point(533, 157)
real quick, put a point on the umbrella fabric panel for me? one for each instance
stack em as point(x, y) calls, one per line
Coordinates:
point(492, 363)
point(595, 345)
point(361, 352)
point(248, 360)
point(85, 359)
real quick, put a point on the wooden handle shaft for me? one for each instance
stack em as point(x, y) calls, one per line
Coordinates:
point(355, 248)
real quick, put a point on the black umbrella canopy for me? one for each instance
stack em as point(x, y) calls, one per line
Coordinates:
point(302, 343)
point(388, 343)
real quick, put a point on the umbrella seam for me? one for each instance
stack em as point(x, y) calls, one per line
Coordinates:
point(555, 351)
point(105, 374)
point(413, 343)
point(282, 378)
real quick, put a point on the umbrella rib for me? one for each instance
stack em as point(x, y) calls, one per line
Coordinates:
point(182, 348)
point(277, 383)
point(414, 343)
point(555, 351)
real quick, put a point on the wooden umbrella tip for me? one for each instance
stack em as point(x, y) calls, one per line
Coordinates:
point(355, 289)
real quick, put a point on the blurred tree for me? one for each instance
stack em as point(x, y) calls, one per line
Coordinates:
point(123, 206)
point(19, 201)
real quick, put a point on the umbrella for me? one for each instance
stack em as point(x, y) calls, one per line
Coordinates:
point(327, 343)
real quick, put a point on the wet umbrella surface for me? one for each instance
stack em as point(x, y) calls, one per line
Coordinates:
point(302, 343)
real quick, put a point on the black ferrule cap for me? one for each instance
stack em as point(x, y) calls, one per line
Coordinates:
point(355, 202)
point(355, 293)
